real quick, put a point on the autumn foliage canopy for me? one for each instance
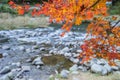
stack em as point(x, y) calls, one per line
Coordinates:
point(104, 37)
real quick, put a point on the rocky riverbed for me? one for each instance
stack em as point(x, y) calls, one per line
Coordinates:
point(23, 51)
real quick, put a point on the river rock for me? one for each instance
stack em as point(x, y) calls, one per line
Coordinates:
point(74, 72)
point(67, 54)
point(5, 54)
point(74, 67)
point(115, 68)
point(28, 50)
point(102, 62)
point(37, 61)
point(5, 47)
point(3, 39)
point(93, 61)
point(26, 68)
point(108, 67)
point(18, 64)
point(22, 48)
point(5, 78)
point(104, 71)
point(5, 70)
point(76, 60)
point(64, 73)
point(96, 68)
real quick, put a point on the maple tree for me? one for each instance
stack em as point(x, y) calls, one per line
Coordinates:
point(105, 38)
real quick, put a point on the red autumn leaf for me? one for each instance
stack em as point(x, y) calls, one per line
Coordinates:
point(34, 12)
point(37, 5)
point(21, 11)
point(11, 3)
point(27, 8)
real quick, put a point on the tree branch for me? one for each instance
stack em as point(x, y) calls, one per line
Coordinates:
point(93, 4)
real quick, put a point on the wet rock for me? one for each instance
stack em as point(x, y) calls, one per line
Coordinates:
point(104, 71)
point(116, 72)
point(75, 55)
point(3, 39)
point(96, 68)
point(64, 73)
point(29, 60)
point(108, 67)
point(5, 54)
point(82, 68)
point(79, 51)
point(18, 64)
point(22, 48)
point(66, 49)
point(5, 78)
point(5, 70)
point(28, 50)
point(115, 68)
point(67, 54)
point(102, 62)
point(38, 67)
point(74, 72)
point(26, 68)
point(5, 47)
point(37, 61)
point(75, 60)
point(93, 61)
point(74, 67)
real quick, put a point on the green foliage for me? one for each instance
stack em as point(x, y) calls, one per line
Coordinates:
point(113, 10)
point(6, 8)
point(4, 1)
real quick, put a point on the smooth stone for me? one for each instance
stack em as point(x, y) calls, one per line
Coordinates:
point(5, 78)
point(28, 50)
point(29, 60)
point(64, 73)
point(101, 62)
point(22, 48)
point(96, 68)
point(79, 51)
point(5, 54)
point(93, 61)
point(75, 55)
point(26, 68)
point(104, 71)
point(117, 72)
point(74, 67)
point(5, 70)
point(108, 67)
point(5, 47)
point(67, 54)
point(115, 68)
point(66, 49)
point(75, 72)
point(3, 39)
point(38, 67)
point(18, 64)
point(37, 61)
point(75, 60)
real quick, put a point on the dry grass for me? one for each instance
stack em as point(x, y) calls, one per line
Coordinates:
point(90, 76)
point(8, 21)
